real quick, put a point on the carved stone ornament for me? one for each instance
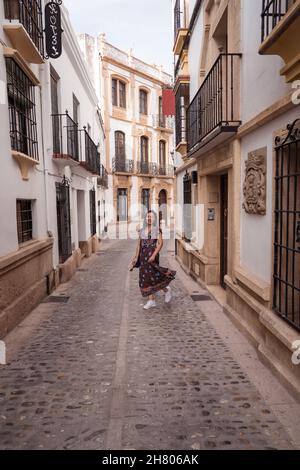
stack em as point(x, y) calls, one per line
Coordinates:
point(254, 188)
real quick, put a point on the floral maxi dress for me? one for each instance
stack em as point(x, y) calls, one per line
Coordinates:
point(152, 277)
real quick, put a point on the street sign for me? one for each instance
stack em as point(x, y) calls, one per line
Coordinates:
point(53, 30)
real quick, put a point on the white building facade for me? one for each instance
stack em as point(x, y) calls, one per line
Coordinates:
point(52, 144)
point(237, 132)
point(139, 138)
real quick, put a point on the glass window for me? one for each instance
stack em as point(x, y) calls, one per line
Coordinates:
point(143, 102)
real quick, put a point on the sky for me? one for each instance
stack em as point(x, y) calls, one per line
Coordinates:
point(143, 25)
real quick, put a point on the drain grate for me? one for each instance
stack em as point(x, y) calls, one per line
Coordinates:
point(200, 297)
point(56, 299)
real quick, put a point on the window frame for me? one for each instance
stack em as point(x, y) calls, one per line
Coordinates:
point(22, 110)
point(120, 148)
point(144, 149)
point(118, 91)
point(143, 101)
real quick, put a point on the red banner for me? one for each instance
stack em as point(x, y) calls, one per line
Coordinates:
point(168, 99)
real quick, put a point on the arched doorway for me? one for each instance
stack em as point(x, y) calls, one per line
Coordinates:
point(163, 207)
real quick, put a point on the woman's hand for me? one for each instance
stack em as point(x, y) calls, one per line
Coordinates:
point(152, 259)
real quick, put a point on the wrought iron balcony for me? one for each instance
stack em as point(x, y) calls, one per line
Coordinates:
point(159, 120)
point(66, 138)
point(280, 35)
point(122, 165)
point(272, 13)
point(215, 108)
point(154, 169)
point(162, 170)
point(30, 15)
point(144, 168)
point(91, 161)
point(178, 17)
point(102, 180)
point(180, 28)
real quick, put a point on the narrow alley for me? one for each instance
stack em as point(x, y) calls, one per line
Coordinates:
point(90, 369)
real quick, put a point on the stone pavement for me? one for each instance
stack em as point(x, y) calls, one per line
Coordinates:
point(93, 370)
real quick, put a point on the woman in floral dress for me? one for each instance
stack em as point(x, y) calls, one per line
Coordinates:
point(152, 277)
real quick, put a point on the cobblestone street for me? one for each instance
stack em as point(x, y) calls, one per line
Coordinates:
point(93, 370)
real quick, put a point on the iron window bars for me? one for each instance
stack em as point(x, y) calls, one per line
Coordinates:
point(30, 15)
point(65, 136)
point(272, 12)
point(286, 293)
point(63, 221)
point(24, 220)
point(22, 110)
point(214, 108)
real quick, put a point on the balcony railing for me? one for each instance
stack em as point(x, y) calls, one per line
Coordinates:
point(178, 16)
point(154, 169)
point(215, 107)
point(103, 178)
point(163, 170)
point(30, 15)
point(272, 12)
point(91, 162)
point(122, 165)
point(162, 121)
point(65, 137)
point(143, 168)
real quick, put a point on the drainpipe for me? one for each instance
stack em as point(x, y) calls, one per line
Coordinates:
point(45, 171)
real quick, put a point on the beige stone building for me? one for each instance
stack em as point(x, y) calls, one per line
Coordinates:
point(237, 131)
point(139, 138)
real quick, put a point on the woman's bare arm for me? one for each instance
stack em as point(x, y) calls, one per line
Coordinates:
point(137, 253)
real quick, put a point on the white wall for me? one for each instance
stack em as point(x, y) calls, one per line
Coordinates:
point(262, 84)
point(74, 78)
point(194, 54)
point(256, 231)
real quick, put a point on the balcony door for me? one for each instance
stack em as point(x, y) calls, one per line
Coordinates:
point(144, 155)
point(162, 157)
point(224, 230)
point(145, 201)
point(120, 151)
point(63, 221)
point(122, 209)
point(163, 209)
